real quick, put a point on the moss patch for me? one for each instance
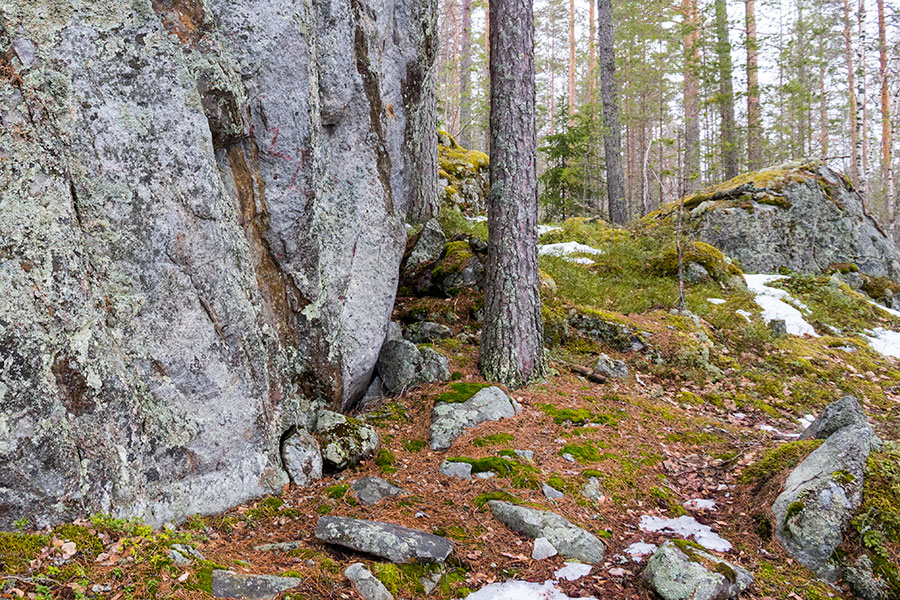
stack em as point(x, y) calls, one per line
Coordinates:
point(776, 460)
point(17, 550)
point(460, 392)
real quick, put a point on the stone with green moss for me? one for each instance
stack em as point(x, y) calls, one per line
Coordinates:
point(682, 570)
point(345, 441)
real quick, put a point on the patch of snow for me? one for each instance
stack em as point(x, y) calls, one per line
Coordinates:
point(739, 415)
point(716, 300)
point(774, 303)
point(573, 571)
point(744, 313)
point(477, 219)
point(618, 572)
point(700, 504)
point(565, 250)
point(885, 341)
point(806, 420)
point(686, 526)
point(542, 229)
point(638, 550)
point(521, 590)
point(889, 311)
point(543, 549)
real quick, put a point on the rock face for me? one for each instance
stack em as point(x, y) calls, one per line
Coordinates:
point(464, 175)
point(569, 540)
point(226, 584)
point(805, 217)
point(450, 419)
point(302, 457)
point(822, 493)
point(203, 219)
point(689, 573)
point(391, 542)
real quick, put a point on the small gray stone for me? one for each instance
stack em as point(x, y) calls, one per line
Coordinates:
point(428, 246)
point(302, 457)
point(485, 475)
point(592, 490)
point(456, 469)
point(430, 581)
point(863, 582)
point(278, 547)
point(226, 584)
point(570, 540)
point(526, 454)
point(435, 366)
point(371, 490)
point(392, 542)
point(695, 273)
point(610, 368)
point(345, 441)
point(450, 419)
point(676, 576)
point(394, 331)
point(778, 327)
point(426, 332)
point(568, 457)
point(550, 492)
point(836, 415)
point(366, 584)
point(398, 365)
point(543, 549)
point(184, 555)
point(25, 50)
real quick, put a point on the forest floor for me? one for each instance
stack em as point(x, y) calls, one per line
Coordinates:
point(711, 416)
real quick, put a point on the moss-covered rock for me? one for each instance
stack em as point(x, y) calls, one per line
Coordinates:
point(464, 174)
point(345, 441)
point(709, 259)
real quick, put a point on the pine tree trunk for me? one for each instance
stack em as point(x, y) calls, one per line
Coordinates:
point(612, 141)
point(887, 133)
point(861, 100)
point(855, 158)
point(691, 170)
point(512, 349)
point(726, 92)
point(571, 62)
point(754, 114)
point(592, 53)
point(465, 68)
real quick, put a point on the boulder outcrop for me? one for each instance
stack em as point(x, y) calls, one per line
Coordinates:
point(203, 208)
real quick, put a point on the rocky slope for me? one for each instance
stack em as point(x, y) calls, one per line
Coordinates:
point(204, 207)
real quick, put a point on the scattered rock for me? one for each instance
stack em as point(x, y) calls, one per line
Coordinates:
point(681, 571)
point(278, 547)
point(345, 441)
point(526, 454)
point(837, 415)
point(550, 492)
point(862, 580)
point(184, 555)
point(592, 490)
point(778, 327)
point(392, 542)
point(456, 469)
point(543, 549)
point(426, 332)
point(610, 368)
point(371, 490)
point(366, 584)
point(458, 269)
point(606, 331)
point(569, 540)
point(402, 365)
point(694, 272)
point(823, 492)
point(226, 584)
point(449, 420)
point(428, 247)
point(302, 457)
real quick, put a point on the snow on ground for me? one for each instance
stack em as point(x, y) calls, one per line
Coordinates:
point(889, 311)
point(686, 527)
point(638, 550)
point(542, 229)
point(745, 313)
point(885, 341)
point(774, 303)
point(566, 249)
point(806, 420)
point(521, 590)
point(477, 219)
point(716, 300)
point(573, 571)
point(700, 504)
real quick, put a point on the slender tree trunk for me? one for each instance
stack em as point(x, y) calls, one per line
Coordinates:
point(592, 53)
point(754, 114)
point(855, 158)
point(887, 133)
point(454, 108)
point(552, 84)
point(824, 138)
point(726, 92)
point(465, 74)
point(862, 101)
point(691, 171)
point(612, 141)
point(512, 349)
point(487, 58)
point(571, 62)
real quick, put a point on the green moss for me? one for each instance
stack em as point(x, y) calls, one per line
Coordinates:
point(845, 478)
point(455, 258)
point(460, 392)
point(584, 453)
point(414, 445)
point(520, 474)
point(776, 460)
point(17, 550)
point(483, 498)
point(86, 542)
point(269, 507)
point(724, 569)
point(577, 416)
point(493, 440)
point(337, 491)
point(794, 508)
point(664, 498)
point(711, 259)
point(386, 461)
point(880, 288)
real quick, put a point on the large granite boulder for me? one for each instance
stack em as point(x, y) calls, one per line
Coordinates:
point(802, 216)
point(680, 570)
point(203, 207)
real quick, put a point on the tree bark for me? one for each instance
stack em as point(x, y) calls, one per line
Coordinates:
point(571, 62)
point(592, 53)
point(512, 349)
point(754, 114)
point(855, 158)
point(465, 69)
point(726, 92)
point(861, 100)
point(691, 171)
point(612, 141)
point(887, 133)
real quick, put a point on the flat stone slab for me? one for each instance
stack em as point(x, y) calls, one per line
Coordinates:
point(395, 543)
point(689, 573)
point(226, 584)
point(278, 547)
point(456, 469)
point(570, 540)
point(450, 419)
point(372, 490)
